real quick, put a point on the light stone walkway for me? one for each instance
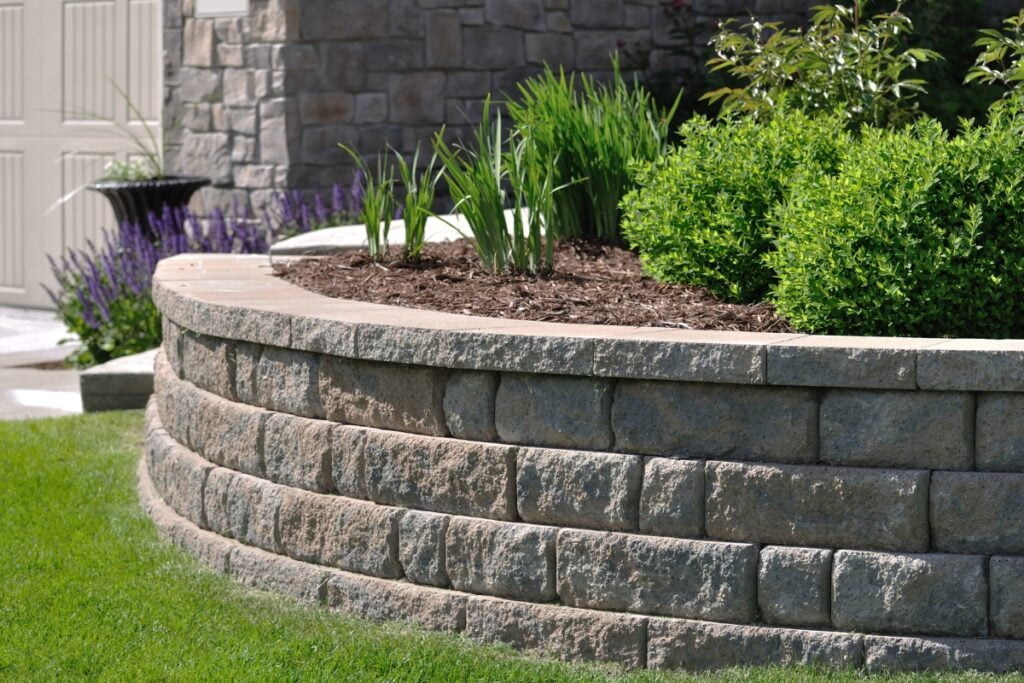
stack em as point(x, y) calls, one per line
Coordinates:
point(29, 338)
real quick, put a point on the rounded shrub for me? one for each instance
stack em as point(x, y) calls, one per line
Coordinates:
point(916, 234)
point(701, 214)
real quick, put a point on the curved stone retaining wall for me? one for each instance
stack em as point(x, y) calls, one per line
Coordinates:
point(654, 498)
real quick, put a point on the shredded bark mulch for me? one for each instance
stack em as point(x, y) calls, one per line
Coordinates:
point(590, 284)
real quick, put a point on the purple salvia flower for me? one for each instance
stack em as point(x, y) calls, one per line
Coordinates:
point(320, 210)
point(337, 201)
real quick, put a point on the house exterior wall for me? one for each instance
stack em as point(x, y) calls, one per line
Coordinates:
point(260, 102)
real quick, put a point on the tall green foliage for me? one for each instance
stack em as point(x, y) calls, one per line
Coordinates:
point(701, 213)
point(842, 61)
point(590, 132)
point(378, 187)
point(1001, 61)
point(420, 188)
point(917, 234)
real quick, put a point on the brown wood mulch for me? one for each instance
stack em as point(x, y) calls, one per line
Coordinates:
point(590, 284)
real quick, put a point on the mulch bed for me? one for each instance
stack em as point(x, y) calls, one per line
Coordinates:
point(590, 284)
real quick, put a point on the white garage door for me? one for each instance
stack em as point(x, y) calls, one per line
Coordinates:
point(57, 58)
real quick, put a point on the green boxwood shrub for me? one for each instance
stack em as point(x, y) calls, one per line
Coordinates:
point(917, 234)
point(701, 213)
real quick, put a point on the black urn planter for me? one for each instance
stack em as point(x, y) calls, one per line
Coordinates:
point(134, 200)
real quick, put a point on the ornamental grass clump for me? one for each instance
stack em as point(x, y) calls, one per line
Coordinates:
point(378, 198)
point(590, 132)
point(420, 190)
point(485, 180)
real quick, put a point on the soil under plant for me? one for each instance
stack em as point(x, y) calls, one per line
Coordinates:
point(590, 284)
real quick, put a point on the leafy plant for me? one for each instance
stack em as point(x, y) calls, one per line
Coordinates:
point(484, 180)
point(103, 293)
point(420, 191)
point(1001, 61)
point(701, 214)
point(917, 234)
point(379, 206)
point(590, 132)
point(838, 62)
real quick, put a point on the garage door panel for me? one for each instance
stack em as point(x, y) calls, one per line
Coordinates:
point(90, 59)
point(12, 62)
point(85, 214)
point(12, 221)
point(144, 46)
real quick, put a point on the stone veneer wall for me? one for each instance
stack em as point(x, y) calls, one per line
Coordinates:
point(655, 498)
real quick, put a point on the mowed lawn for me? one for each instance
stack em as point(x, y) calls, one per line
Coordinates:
point(88, 591)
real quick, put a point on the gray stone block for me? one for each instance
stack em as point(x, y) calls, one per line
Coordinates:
point(270, 572)
point(182, 475)
point(208, 363)
point(697, 420)
point(348, 461)
point(226, 433)
point(421, 547)
point(171, 346)
point(684, 355)
point(561, 632)
point(251, 511)
point(794, 586)
point(928, 594)
point(1006, 596)
point(383, 395)
point(672, 498)
point(247, 362)
point(215, 501)
point(817, 506)
point(469, 405)
point(440, 475)
point(975, 512)
point(972, 365)
point(702, 646)
point(382, 600)
point(288, 382)
point(666, 576)
point(348, 534)
point(848, 362)
point(498, 558)
point(560, 412)
point(1000, 433)
point(579, 489)
point(297, 452)
point(913, 429)
point(894, 655)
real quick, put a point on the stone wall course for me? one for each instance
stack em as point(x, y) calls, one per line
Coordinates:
point(501, 559)
point(910, 429)
point(695, 420)
point(927, 594)
point(579, 489)
point(208, 362)
point(818, 506)
point(663, 576)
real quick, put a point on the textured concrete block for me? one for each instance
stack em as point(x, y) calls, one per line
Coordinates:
point(894, 655)
point(251, 511)
point(913, 429)
point(1000, 432)
point(469, 405)
point(421, 547)
point(562, 632)
point(182, 475)
point(348, 461)
point(440, 475)
point(382, 600)
point(384, 395)
point(817, 506)
point(270, 572)
point(560, 412)
point(247, 364)
point(215, 500)
point(667, 576)
point(696, 420)
point(1006, 607)
point(684, 355)
point(226, 433)
point(672, 498)
point(171, 346)
point(297, 452)
point(849, 362)
point(972, 365)
point(579, 489)
point(497, 558)
point(928, 594)
point(974, 512)
point(794, 586)
point(702, 646)
point(288, 382)
point(348, 534)
point(208, 362)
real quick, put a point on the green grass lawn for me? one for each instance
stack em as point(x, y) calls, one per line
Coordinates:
point(88, 591)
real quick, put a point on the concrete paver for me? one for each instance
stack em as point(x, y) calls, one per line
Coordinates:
point(29, 338)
